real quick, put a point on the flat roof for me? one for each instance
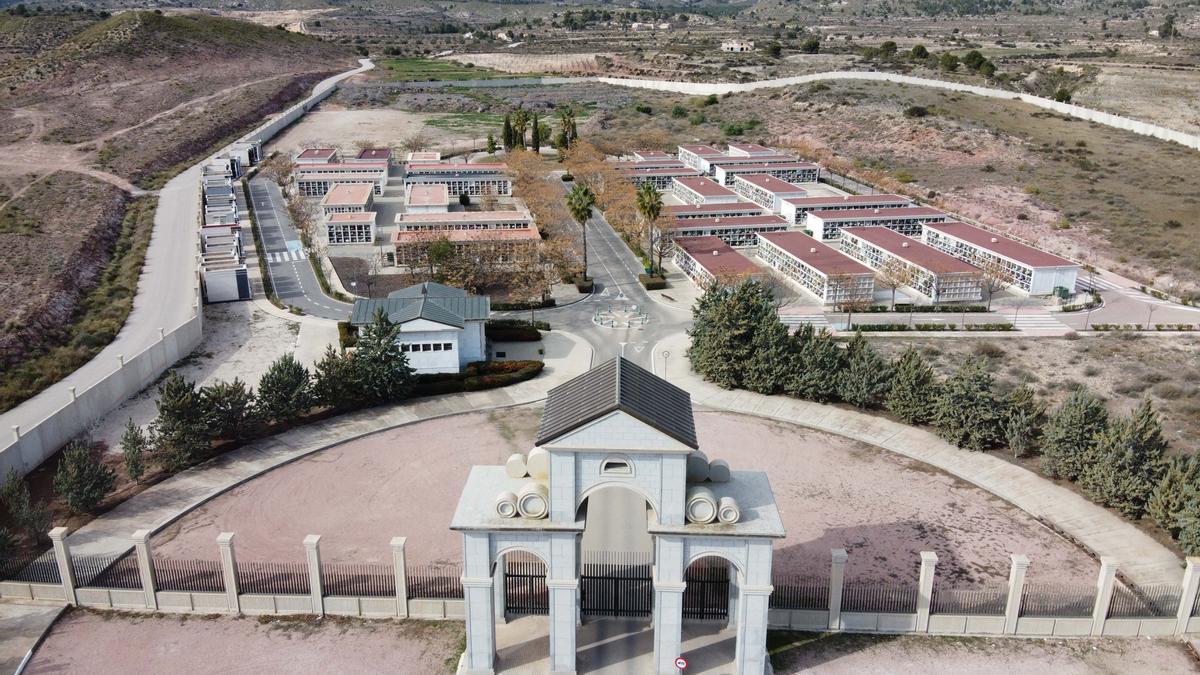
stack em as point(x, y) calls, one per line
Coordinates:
point(650, 164)
point(476, 508)
point(348, 194)
point(678, 210)
point(825, 259)
point(428, 194)
point(317, 153)
point(333, 167)
point(651, 154)
point(383, 154)
point(1009, 248)
point(750, 147)
point(424, 156)
point(770, 183)
point(757, 159)
point(869, 214)
point(769, 165)
point(359, 217)
point(462, 217)
point(717, 257)
point(848, 199)
point(756, 500)
point(518, 234)
point(659, 171)
point(456, 167)
point(729, 221)
point(907, 248)
point(704, 187)
point(702, 150)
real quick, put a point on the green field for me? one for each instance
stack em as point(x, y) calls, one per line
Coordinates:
point(427, 70)
point(467, 121)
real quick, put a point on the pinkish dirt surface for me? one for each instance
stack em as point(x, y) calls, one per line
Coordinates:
point(96, 642)
point(853, 654)
point(832, 492)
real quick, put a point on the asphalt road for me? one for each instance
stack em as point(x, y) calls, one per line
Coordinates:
point(291, 273)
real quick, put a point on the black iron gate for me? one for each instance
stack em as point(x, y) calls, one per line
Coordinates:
point(525, 584)
point(707, 592)
point(616, 584)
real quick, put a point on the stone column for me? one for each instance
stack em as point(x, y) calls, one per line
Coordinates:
point(141, 546)
point(563, 614)
point(401, 571)
point(735, 592)
point(837, 578)
point(312, 553)
point(751, 646)
point(1187, 597)
point(229, 571)
point(500, 588)
point(478, 596)
point(1016, 590)
point(1104, 592)
point(929, 561)
point(668, 602)
point(62, 555)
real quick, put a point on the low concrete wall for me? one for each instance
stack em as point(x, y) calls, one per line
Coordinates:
point(254, 604)
point(1139, 627)
point(436, 608)
point(1058, 627)
point(21, 590)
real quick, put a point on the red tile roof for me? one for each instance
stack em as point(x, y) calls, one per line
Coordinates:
point(428, 194)
point(1009, 248)
point(678, 210)
point(824, 259)
point(375, 154)
point(717, 257)
point(704, 187)
point(907, 248)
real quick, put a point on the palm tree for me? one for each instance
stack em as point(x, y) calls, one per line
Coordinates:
point(566, 121)
point(580, 201)
point(649, 205)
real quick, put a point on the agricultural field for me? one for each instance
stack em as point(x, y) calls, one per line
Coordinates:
point(583, 63)
point(428, 70)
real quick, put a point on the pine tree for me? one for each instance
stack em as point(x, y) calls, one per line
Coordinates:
point(1024, 415)
point(820, 362)
point(284, 392)
point(1169, 499)
point(134, 445)
point(32, 517)
point(967, 412)
point(228, 407)
point(179, 432)
point(507, 133)
point(773, 360)
point(381, 370)
point(914, 388)
point(866, 377)
point(728, 336)
point(335, 381)
point(491, 143)
point(1130, 462)
point(1189, 521)
point(1069, 436)
point(82, 480)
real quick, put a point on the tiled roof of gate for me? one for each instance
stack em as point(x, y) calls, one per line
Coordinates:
point(618, 385)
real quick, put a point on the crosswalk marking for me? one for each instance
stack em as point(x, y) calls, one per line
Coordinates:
point(1100, 283)
point(1034, 321)
point(286, 256)
point(794, 321)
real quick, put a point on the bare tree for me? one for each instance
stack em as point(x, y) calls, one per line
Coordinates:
point(278, 169)
point(996, 277)
point(415, 142)
point(529, 282)
point(893, 274)
point(843, 286)
point(662, 242)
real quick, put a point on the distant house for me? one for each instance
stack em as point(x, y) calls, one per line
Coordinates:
point(737, 46)
point(441, 328)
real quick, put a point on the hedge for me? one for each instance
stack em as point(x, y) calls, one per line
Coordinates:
point(933, 309)
point(477, 377)
point(584, 285)
point(894, 327)
point(652, 283)
point(517, 323)
point(513, 334)
point(518, 306)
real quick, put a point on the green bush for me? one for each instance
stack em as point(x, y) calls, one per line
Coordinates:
point(517, 323)
point(512, 334)
point(347, 334)
point(881, 327)
point(652, 283)
point(477, 376)
point(82, 480)
point(584, 285)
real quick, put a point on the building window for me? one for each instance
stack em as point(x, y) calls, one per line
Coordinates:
point(448, 346)
point(437, 346)
point(616, 466)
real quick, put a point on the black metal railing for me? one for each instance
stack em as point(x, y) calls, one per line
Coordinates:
point(270, 578)
point(707, 593)
point(796, 592)
point(192, 576)
point(36, 568)
point(879, 597)
point(1058, 600)
point(1160, 600)
point(986, 601)
point(368, 581)
point(106, 571)
point(525, 589)
point(435, 581)
point(614, 583)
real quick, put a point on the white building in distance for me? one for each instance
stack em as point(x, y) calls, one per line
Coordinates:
point(1028, 269)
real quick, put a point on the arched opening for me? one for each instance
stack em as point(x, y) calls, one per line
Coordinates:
point(616, 554)
point(522, 602)
point(524, 576)
point(710, 582)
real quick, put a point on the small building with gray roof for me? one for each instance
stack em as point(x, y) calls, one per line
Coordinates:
point(441, 327)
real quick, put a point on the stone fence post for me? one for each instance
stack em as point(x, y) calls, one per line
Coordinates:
point(312, 553)
point(929, 562)
point(1016, 590)
point(837, 578)
point(1104, 593)
point(141, 547)
point(1187, 596)
point(398, 566)
point(229, 571)
point(62, 555)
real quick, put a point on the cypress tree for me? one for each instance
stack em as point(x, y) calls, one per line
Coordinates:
point(284, 392)
point(968, 413)
point(1130, 462)
point(820, 361)
point(773, 360)
point(507, 133)
point(727, 343)
point(179, 432)
point(866, 377)
point(536, 135)
point(1069, 435)
point(1169, 499)
point(1024, 415)
point(914, 388)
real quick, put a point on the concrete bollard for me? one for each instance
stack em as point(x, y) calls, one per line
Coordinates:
point(1187, 597)
point(401, 572)
point(1104, 592)
point(62, 556)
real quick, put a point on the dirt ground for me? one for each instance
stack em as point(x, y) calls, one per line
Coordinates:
point(794, 653)
point(239, 341)
point(328, 125)
point(1126, 89)
point(582, 63)
point(212, 644)
point(358, 495)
